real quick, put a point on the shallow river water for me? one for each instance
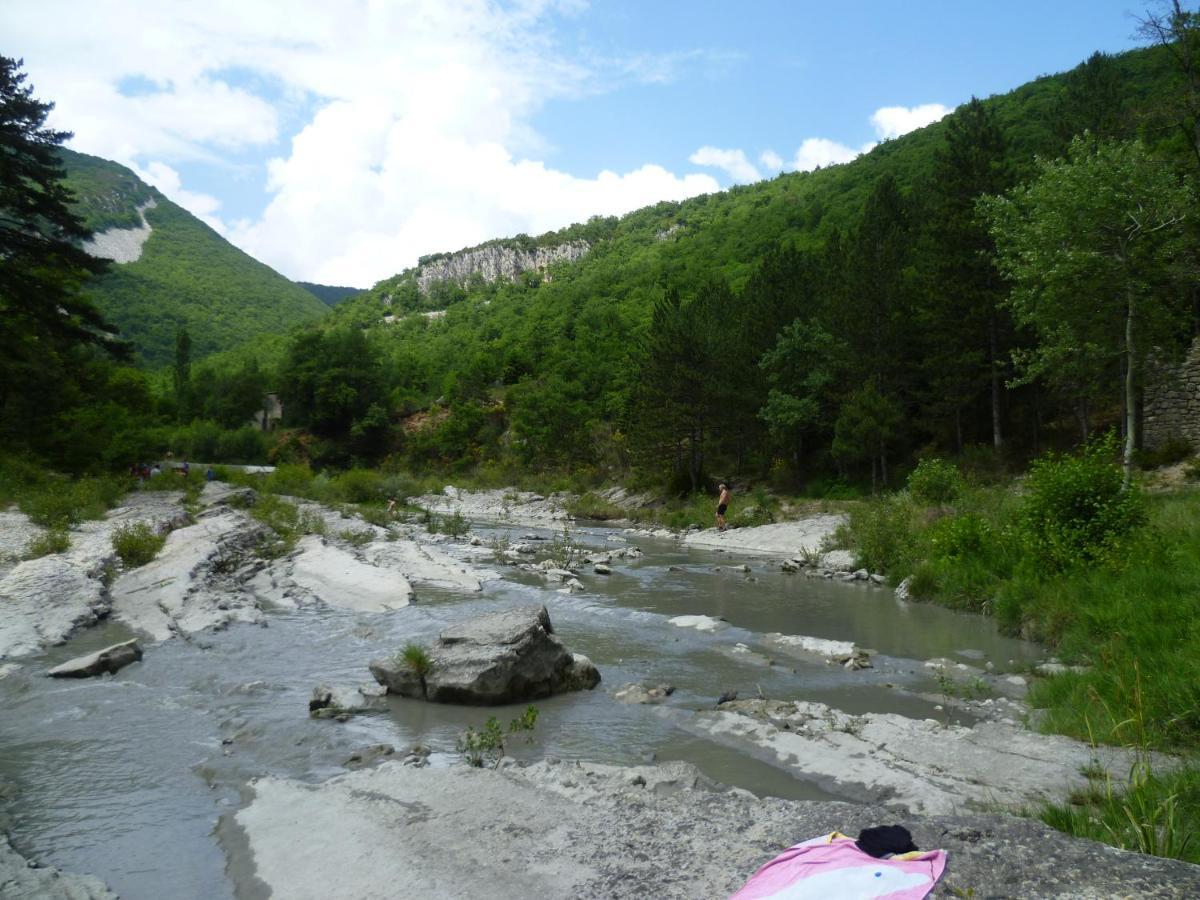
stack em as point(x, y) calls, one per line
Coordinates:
point(126, 777)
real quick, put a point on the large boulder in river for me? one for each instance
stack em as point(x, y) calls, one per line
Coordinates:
point(509, 656)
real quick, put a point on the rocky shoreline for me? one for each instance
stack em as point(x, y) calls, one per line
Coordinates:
point(582, 830)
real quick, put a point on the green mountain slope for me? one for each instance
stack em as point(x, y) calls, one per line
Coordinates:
point(186, 275)
point(546, 363)
point(329, 294)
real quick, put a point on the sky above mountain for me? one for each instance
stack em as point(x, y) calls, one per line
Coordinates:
point(337, 142)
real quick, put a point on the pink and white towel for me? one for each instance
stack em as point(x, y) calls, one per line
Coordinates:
point(832, 866)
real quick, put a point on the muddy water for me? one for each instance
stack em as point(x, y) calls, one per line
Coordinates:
point(126, 777)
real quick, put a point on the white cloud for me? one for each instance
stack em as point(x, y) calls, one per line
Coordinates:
point(771, 160)
point(893, 121)
point(416, 132)
point(732, 162)
point(815, 152)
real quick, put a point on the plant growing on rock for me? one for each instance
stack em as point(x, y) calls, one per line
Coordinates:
point(416, 659)
point(56, 540)
point(136, 543)
point(488, 743)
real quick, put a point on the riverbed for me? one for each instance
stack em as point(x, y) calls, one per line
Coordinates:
point(126, 777)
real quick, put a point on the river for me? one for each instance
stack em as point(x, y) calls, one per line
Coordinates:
point(126, 777)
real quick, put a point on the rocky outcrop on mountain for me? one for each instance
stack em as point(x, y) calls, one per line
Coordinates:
point(496, 261)
point(121, 245)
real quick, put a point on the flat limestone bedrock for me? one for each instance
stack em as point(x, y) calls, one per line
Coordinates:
point(509, 656)
point(526, 508)
point(912, 765)
point(583, 830)
point(21, 881)
point(334, 577)
point(177, 591)
point(778, 539)
point(48, 599)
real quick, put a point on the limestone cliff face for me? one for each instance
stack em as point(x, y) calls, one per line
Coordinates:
point(495, 261)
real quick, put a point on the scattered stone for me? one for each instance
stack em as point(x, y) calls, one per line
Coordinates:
point(510, 656)
point(700, 623)
point(602, 569)
point(338, 702)
point(109, 660)
point(789, 565)
point(845, 653)
point(876, 578)
point(637, 693)
point(368, 755)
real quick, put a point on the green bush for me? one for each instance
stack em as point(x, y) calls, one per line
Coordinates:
point(58, 502)
point(488, 743)
point(935, 481)
point(57, 540)
point(1174, 449)
point(1077, 508)
point(292, 479)
point(360, 486)
point(136, 543)
point(882, 532)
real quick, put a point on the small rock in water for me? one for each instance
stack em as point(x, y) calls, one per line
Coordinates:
point(110, 659)
point(602, 569)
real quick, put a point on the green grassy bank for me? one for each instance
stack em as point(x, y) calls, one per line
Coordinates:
point(1109, 578)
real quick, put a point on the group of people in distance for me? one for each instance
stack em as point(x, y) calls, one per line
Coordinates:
point(144, 471)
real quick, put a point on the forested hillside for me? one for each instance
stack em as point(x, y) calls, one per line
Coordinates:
point(329, 294)
point(187, 275)
point(826, 322)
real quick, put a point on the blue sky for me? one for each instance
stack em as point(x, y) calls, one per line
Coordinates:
point(339, 141)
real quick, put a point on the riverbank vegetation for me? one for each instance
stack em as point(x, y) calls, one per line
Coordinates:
point(1105, 575)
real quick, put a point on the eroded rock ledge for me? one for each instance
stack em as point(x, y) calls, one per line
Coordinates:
point(581, 830)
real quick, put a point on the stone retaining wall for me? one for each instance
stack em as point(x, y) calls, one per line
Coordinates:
point(1171, 407)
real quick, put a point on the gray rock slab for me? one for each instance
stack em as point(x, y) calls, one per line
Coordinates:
point(107, 661)
point(584, 830)
point(188, 586)
point(22, 880)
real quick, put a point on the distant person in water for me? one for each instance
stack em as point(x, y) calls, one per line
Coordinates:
point(722, 505)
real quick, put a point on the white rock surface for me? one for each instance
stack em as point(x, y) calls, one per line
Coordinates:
point(782, 538)
point(508, 505)
point(426, 565)
point(921, 766)
point(700, 623)
point(319, 572)
point(177, 592)
point(44, 601)
point(589, 831)
point(821, 646)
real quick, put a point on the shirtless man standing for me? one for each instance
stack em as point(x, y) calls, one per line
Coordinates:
point(722, 505)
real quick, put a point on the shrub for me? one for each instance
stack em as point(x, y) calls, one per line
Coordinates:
point(136, 543)
point(1174, 449)
point(59, 502)
point(1078, 508)
point(56, 540)
point(935, 481)
point(882, 533)
point(488, 743)
point(360, 486)
point(293, 479)
point(416, 659)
